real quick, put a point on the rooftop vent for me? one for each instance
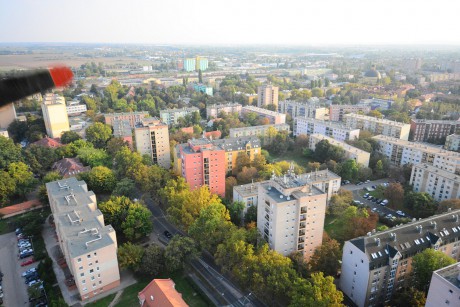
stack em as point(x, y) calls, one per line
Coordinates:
point(378, 241)
point(369, 234)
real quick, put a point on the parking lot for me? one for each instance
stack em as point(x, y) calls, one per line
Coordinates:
point(14, 288)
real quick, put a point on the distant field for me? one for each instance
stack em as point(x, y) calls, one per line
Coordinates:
point(28, 61)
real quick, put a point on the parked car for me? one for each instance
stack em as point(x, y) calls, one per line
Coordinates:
point(370, 197)
point(399, 212)
point(359, 183)
point(18, 231)
point(167, 234)
point(25, 255)
point(374, 187)
point(33, 282)
point(31, 278)
point(28, 261)
point(367, 181)
point(24, 247)
point(29, 271)
point(366, 195)
point(357, 202)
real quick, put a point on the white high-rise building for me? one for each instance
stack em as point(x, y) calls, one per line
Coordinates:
point(55, 115)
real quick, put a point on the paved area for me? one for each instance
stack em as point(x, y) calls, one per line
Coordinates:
point(14, 288)
point(354, 187)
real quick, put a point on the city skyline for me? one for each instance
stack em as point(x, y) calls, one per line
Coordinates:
point(237, 22)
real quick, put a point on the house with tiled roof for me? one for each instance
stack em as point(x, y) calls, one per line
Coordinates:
point(161, 293)
point(48, 142)
point(70, 167)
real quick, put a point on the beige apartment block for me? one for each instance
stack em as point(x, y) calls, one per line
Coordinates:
point(274, 117)
point(337, 111)
point(132, 117)
point(152, 138)
point(401, 152)
point(55, 115)
point(213, 111)
point(444, 287)
point(302, 109)
point(88, 245)
point(440, 184)
point(377, 265)
point(267, 95)
point(290, 214)
point(335, 130)
point(452, 142)
point(378, 125)
point(360, 156)
point(257, 130)
point(7, 115)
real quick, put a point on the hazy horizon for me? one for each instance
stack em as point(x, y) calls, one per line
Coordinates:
point(233, 23)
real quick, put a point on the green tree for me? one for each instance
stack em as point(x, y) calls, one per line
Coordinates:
point(230, 182)
point(10, 152)
point(349, 170)
point(378, 170)
point(125, 187)
point(179, 250)
point(130, 256)
point(40, 158)
point(23, 177)
point(114, 145)
point(320, 291)
point(211, 227)
point(251, 215)
point(259, 162)
point(200, 76)
point(153, 261)
point(98, 134)
point(326, 258)
point(242, 160)
point(42, 193)
point(128, 164)
point(69, 136)
point(421, 205)
point(7, 187)
point(423, 265)
point(100, 179)
point(115, 211)
point(375, 113)
point(94, 157)
point(236, 209)
point(395, 195)
point(444, 206)
point(409, 297)
point(231, 252)
point(137, 223)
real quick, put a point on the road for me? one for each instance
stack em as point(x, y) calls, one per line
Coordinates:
point(357, 195)
point(14, 288)
point(221, 288)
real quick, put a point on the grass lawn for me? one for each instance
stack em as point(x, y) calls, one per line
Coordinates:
point(332, 226)
point(295, 156)
point(104, 302)
point(183, 286)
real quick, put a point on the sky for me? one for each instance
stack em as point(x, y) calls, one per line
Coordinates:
point(232, 22)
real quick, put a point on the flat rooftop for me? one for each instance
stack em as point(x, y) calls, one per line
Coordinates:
point(375, 119)
point(335, 125)
point(450, 274)
point(440, 172)
point(191, 109)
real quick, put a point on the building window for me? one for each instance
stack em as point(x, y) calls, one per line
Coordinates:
point(83, 281)
point(79, 260)
point(82, 274)
point(91, 271)
point(80, 268)
point(88, 256)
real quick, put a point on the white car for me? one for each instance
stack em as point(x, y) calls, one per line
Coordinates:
point(33, 282)
point(31, 270)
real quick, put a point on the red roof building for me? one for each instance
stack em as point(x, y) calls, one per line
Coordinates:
point(161, 293)
point(48, 142)
point(213, 135)
point(69, 167)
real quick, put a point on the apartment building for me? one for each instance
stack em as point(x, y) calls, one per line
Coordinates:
point(200, 162)
point(132, 117)
point(401, 152)
point(189, 64)
point(335, 130)
point(171, 116)
point(445, 287)
point(7, 115)
point(274, 117)
point(249, 145)
point(337, 111)
point(261, 131)
point(198, 87)
point(423, 130)
point(290, 213)
point(213, 111)
point(75, 109)
point(122, 129)
point(88, 245)
point(452, 142)
point(377, 103)
point(152, 138)
point(248, 194)
point(267, 95)
point(378, 125)
point(55, 115)
point(377, 265)
point(440, 184)
point(360, 156)
point(302, 109)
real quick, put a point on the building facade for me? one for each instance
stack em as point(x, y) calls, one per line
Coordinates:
point(423, 130)
point(401, 152)
point(249, 145)
point(55, 115)
point(189, 64)
point(378, 125)
point(7, 115)
point(452, 142)
point(360, 156)
point(88, 245)
point(302, 109)
point(201, 63)
point(440, 184)
point(122, 129)
point(213, 111)
point(290, 214)
point(200, 163)
point(261, 131)
point(203, 89)
point(171, 116)
point(152, 138)
point(76, 109)
point(337, 131)
point(377, 103)
point(274, 117)
point(132, 117)
point(267, 95)
point(337, 111)
point(377, 265)
point(444, 287)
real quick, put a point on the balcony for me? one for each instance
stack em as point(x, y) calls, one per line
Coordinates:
point(303, 217)
point(301, 240)
point(300, 247)
point(302, 226)
point(301, 232)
